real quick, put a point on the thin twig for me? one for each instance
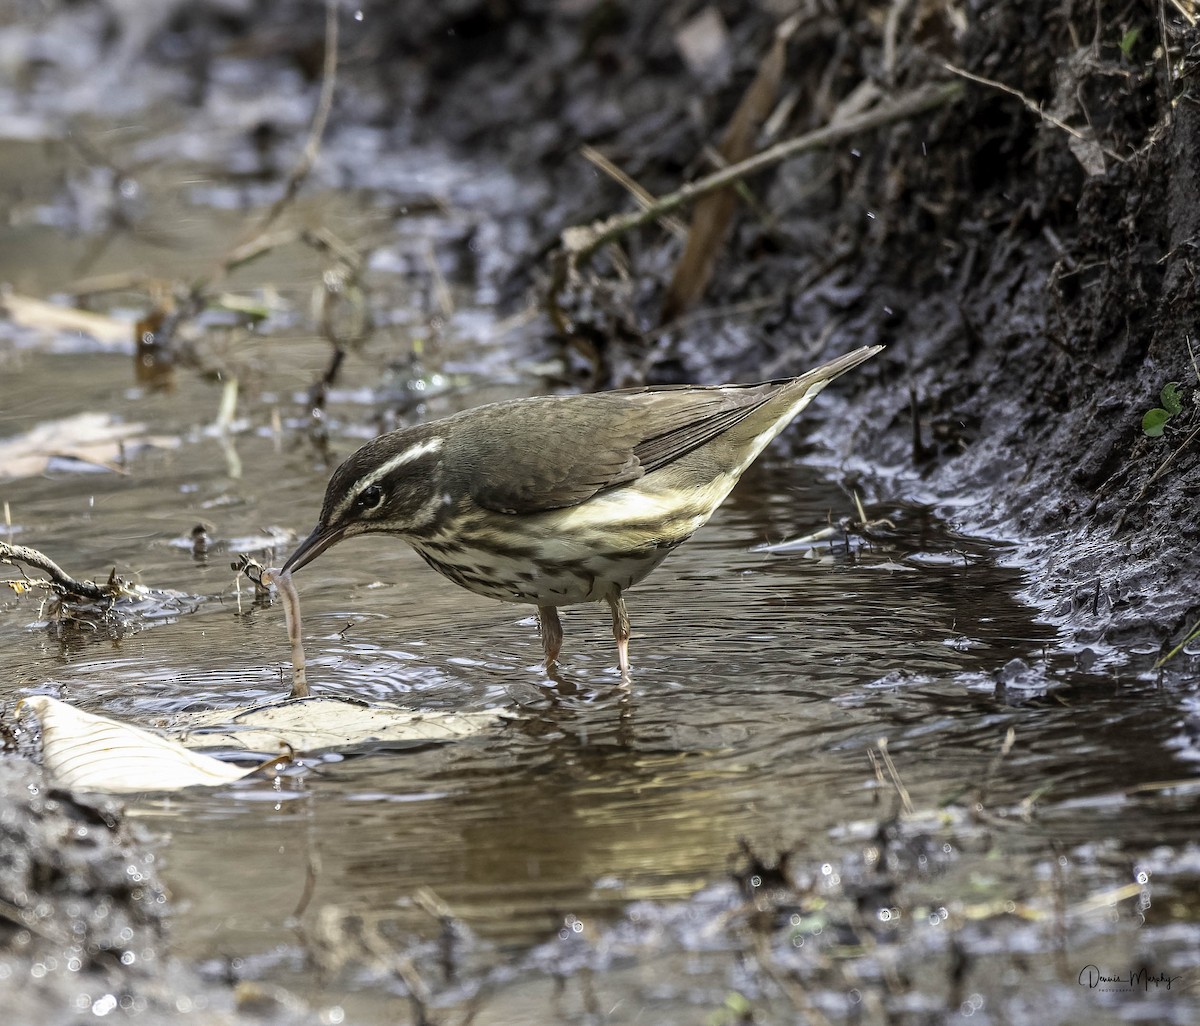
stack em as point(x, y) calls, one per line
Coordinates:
point(581, 241)
point(1162, 467)
point(1033, 106)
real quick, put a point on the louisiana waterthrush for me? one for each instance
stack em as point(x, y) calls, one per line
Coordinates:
point(556, 500)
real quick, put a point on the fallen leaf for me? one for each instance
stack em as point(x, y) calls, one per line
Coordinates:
point(324, 724)
point(91, 439)
point(55, 320)
point(85, 752)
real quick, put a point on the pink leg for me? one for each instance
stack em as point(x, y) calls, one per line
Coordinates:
point(552, 634)
point(620, 631)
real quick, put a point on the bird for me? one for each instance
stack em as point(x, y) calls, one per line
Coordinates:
point(562, 499)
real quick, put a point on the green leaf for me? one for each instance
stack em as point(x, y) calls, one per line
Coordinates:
point(1128, 40)
point(1171, 398)
point(1154, 421)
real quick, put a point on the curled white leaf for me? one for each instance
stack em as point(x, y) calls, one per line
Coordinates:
point(85, 752)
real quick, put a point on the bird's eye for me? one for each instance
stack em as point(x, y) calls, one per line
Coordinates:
point(369, 498)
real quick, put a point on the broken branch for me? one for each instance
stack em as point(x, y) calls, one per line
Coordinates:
point(60, 580)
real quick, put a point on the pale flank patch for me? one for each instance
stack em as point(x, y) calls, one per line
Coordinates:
point(610, 514)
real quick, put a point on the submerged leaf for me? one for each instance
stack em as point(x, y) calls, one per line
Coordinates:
point(315, 724)
point(85, 752)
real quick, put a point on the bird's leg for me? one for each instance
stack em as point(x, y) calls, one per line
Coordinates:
point(551, 633)
point(620, 631)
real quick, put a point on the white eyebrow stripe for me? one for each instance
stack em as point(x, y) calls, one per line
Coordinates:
point(409, 455)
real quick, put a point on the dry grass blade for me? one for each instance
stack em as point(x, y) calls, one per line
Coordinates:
point(644, 199)
point(713, 214)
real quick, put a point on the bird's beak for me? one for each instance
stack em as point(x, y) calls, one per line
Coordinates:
point(312, 546)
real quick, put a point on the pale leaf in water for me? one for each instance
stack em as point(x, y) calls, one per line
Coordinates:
point(323, 724)
point(90, 440)
point(50, 319)
point(85, 752)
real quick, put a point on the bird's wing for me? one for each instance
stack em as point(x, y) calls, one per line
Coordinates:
point(548, 453)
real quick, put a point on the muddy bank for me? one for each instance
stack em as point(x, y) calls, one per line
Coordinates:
point(1033, 275)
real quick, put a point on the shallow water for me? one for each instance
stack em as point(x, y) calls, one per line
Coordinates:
point(597, 828)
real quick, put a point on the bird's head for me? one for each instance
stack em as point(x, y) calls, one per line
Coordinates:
point(390, 485)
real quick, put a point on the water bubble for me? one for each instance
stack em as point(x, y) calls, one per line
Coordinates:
point(104, 1005)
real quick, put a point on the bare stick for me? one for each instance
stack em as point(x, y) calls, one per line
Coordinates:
point(580, 242)
point(60, 580)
